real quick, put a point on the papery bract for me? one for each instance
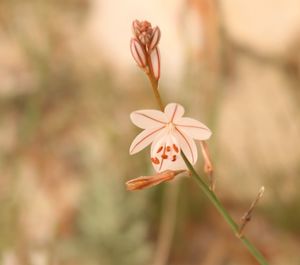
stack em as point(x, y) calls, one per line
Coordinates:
point(150, 181)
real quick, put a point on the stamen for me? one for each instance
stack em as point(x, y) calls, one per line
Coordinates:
point(168, 148)
point(155, 160)
point(164, 156)
point(174, 158)
point(175, 148)
point(159, 149)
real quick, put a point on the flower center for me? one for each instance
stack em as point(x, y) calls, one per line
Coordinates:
point(170, 127)
point(167, 148)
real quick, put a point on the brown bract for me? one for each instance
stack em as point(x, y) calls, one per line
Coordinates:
point(149, 181)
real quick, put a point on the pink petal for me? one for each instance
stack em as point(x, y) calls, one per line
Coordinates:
point(164, 139)
point(174, 111)
point(155, 38)
point(155, 63)
point(148, 118)
point(187, 145)
point(193, 128)
point(138, 53)
point(169, 165)
point(144, 139)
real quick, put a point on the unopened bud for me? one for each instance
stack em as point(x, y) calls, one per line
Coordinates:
point(155, 63)
point(138, 53)
point(142, 31)
point(154, 39)
point(135, 28)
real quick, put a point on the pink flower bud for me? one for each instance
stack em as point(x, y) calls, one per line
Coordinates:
point(138, 53)
point(154, 39)
point(136, 28)
point(155, 63)
point(142, 30)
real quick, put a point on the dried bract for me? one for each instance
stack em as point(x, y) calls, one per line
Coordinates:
point(150, 181)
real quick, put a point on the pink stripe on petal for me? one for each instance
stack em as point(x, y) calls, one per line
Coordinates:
point(187, 146)
point(148, 118)
point(174, 111)
point(145, 138)
point(194, 128)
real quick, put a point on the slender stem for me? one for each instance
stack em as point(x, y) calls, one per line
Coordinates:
point(210, 194)
point(216, 202)
point(154, 85)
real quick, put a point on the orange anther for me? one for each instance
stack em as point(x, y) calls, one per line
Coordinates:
point(159, 149)
point(164, 156)
point(175, 148)
point(155, 160)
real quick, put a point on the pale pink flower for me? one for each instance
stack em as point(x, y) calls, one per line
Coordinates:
point(168, 133)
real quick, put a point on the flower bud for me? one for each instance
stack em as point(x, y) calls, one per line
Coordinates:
point(138, 53)
point(155, 63)
point(142, 30)
point(154, 38)
point(135, 28)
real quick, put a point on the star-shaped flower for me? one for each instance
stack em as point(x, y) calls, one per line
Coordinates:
point(169, 133)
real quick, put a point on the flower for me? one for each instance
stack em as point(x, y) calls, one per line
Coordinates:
point(168, 133)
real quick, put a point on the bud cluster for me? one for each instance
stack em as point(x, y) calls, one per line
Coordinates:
point(144, 47)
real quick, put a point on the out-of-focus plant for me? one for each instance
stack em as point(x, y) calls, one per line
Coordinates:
point(111, 227)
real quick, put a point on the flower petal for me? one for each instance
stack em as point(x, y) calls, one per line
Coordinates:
point(148, 118)
point(174, 111)
point(163, 154)
point(169, 165)
point(187, 145)
point(193, 128)
point(144, 139)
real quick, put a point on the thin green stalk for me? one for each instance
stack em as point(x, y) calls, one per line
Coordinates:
point(216, 202)
point(211, 195)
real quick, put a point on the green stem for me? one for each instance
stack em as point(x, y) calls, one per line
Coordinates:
point(210, 194)
point(216, 202)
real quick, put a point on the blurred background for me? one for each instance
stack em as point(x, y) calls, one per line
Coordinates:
point(67, 86)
